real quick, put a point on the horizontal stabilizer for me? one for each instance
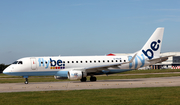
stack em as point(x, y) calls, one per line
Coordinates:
point(161, 59)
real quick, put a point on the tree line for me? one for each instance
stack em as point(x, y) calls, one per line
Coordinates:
point(2, 67)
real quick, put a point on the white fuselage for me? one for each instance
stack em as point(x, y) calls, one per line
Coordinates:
point(35, 66)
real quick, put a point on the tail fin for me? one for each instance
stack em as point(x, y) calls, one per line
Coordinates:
point(152, 47)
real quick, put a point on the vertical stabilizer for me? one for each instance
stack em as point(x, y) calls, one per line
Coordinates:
point(152, 47)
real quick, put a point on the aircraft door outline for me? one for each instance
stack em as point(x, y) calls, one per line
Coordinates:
point(33, 63)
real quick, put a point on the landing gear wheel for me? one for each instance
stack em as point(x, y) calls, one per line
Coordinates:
point(93, 79)
point(26, 82)
point(83, 79)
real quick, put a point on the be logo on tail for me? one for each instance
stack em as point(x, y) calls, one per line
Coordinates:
point(153, 47)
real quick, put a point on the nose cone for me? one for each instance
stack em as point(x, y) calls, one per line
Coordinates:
point(7, 71)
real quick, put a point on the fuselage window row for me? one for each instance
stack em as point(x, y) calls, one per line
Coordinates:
point(94, 61)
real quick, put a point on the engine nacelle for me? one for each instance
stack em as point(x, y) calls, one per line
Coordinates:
point(59, 77)
point(74, 75)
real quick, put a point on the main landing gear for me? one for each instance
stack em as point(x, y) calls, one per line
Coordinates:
point(92, 78)
point(83, 79)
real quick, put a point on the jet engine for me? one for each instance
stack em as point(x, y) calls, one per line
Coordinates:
point(74, 75)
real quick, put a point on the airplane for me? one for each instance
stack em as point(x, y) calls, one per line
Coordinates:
point(79, 67)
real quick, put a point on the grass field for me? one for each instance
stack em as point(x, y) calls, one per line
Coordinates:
point(137, 74)
point(134, 96)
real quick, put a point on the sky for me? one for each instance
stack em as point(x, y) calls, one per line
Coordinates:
point(31, 28)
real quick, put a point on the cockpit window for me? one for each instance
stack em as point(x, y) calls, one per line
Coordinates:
point(15, 62)
point(20, 62)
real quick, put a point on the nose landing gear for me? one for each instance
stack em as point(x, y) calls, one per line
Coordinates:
point(26, 79)
point(26, 82)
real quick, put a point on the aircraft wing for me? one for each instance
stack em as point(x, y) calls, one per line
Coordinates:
point(105, 67)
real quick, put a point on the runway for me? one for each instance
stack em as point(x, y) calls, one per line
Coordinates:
point(100, 84)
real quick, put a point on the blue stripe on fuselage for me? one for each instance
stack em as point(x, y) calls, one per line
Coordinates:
point(42, 73)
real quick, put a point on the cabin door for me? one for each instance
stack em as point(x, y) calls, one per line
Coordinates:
point(33, 63)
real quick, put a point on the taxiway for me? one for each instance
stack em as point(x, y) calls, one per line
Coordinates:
point(100, 84)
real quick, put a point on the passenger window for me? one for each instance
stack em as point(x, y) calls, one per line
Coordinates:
point(81, 62)
point(116, 60)
point(120, 61)
point(112, 60)
point(99, 61)
point(20, 62)
point(94, 61)
point(63, 61)
point(67, 61)
point(103, 61)
point(107, 60)
point(76, 61)
point(124, 60)
point(86, 61)
point(72, 61)
point(90, 61)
